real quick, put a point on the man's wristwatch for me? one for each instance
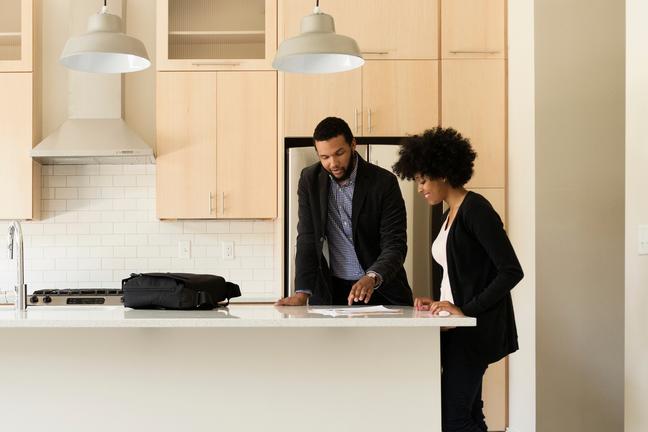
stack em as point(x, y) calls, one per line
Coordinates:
point(374, 276)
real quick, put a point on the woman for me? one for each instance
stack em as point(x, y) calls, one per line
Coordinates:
point(479, 270)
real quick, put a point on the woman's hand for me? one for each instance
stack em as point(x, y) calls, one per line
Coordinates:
point(422, 303)
point(437, 307)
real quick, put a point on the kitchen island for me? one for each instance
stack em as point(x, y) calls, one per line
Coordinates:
point(241, 368)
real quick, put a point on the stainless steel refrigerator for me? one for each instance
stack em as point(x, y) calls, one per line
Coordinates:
point(422, 220)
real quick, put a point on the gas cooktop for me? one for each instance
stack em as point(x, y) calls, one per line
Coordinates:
point(76, 297)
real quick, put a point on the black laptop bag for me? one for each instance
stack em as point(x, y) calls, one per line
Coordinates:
point(177, 291)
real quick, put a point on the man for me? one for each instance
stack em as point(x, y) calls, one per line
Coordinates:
point(353, 213)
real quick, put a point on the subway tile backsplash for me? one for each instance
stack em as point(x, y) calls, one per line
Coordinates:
point(98, 225)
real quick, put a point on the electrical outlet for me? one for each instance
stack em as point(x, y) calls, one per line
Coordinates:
point(643, 239)
point(228, 250)
point(184, 249)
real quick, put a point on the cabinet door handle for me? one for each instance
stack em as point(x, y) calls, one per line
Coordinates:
point(369, 118)
point(375, 52)
point(222, 203)
point(210, 203)
point(474, 51)
point(216, 63)
point(355, 119)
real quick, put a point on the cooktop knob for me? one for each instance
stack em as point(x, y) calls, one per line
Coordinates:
point(34, 299)
point(47, 299)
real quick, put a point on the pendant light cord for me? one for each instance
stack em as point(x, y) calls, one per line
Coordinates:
point(316, 3)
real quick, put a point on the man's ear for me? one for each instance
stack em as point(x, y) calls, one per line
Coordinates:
point(353, 144)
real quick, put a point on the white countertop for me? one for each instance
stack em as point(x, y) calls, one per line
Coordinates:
point(236, 315)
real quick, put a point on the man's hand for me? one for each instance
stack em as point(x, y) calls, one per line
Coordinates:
point(298, 299)
point(362, 290)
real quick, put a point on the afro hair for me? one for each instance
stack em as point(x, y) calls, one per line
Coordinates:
point(437, 153)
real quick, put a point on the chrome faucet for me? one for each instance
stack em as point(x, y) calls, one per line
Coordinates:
point(16, 238)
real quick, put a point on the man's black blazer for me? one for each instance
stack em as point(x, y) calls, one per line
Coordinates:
point(379, 226)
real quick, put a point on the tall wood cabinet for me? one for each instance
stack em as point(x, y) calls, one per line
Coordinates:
point(383, 98)
point(474, 102)
point(384, 29)
point(473, 29)
point(20, 178)
point(216, 145)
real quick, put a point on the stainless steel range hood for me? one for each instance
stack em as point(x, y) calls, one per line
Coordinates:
point(94, 132)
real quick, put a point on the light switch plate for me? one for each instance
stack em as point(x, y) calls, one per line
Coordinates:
point(184, 249)
point(643, 239)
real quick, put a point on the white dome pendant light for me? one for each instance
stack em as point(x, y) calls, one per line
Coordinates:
point(104, 48)
point(318, 49)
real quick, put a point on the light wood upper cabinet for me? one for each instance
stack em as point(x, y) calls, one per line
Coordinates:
point(186, 145)
point(384, 29)
point(216, 34)
point(19, 175)
point(310, 98)
point(399, 97)
point(247, 145)
point(473, 28)
point(216, 145)
point(383, 98)
point(474, 103)
point(16, 35)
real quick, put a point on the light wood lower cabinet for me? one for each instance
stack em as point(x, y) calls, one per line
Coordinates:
point(216, 145)
point(20, 176)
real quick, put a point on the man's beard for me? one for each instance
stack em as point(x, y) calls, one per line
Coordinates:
point(347, 171)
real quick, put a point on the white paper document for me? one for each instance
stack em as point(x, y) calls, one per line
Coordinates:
point(355, 310)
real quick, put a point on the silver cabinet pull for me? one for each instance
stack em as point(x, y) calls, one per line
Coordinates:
point(216, 63)
point(222, 203)
point(369, 118)
point(355, 119)
point(210, 203)
point(473, 51)
point(375, 52)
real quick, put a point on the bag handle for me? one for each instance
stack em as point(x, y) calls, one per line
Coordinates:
point(203, 298)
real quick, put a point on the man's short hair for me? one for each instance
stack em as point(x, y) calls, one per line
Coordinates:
point(331, 127)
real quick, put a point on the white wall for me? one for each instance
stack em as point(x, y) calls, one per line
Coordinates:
point(636, 267)
point(521, 208)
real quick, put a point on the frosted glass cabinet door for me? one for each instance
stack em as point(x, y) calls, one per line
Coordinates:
point(16, 27)
point(216, 34)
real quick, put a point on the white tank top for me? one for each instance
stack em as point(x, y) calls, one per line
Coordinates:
point(439, 254)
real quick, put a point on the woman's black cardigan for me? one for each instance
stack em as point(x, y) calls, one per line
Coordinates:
point(483, 269)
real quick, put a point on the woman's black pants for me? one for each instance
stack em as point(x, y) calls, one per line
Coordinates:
point(461, 388)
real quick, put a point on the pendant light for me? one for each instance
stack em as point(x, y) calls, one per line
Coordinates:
point(104, 48)
point(318, 49)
